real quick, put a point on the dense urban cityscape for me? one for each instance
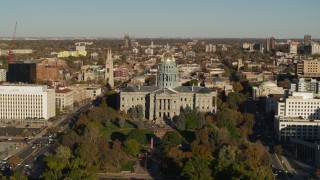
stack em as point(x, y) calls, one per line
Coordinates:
point(163, 107)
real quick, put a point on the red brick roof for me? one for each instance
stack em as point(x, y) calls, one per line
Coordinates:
point(65, 90)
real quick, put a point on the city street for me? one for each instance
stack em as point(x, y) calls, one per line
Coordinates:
point(39, 146)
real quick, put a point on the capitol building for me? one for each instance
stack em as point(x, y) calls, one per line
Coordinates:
point(166, 98)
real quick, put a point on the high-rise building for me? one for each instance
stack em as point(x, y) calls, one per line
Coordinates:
point(23, 72)
point(315, 48)
point(308, 69)
point(306, 86)
point(3, 75)
point(26, 102)
point(129, 41)
point(211, 48)
point(293, 48)
point(270, 44)
point(307, 39)
point(297, 116)
point(109, 69)
point(257, 47)
point(126, 40)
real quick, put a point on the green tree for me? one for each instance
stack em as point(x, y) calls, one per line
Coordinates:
point(88, 151)
point(70, 139)
point(131, 147)
point(63, 152)
point(18, 176)
point(121, 122)
point(138, 135)
point(192, 82)
point(235, 99)
point(133, 113)
point(140, 113)
point(2, 177)
point(54, 167)
point(196, 169)
point(179, 122)
point(192, 118)
point(170, 139)
point(91, 132)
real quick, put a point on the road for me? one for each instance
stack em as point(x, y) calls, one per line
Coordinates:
point(284, 166)
point(38, 147)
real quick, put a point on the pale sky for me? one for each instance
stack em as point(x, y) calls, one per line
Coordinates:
point(161, 18)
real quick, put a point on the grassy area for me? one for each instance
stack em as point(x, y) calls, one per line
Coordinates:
point(117, 134)
point(129, 166)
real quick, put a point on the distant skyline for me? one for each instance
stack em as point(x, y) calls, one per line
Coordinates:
point(165, 18)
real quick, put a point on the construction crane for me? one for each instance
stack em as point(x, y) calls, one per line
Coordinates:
point(12, 43)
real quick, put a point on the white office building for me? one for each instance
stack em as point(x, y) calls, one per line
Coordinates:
point(315, 48)
point(298, 128)
point(298, 116)
point(26, 102)
point(293, 48)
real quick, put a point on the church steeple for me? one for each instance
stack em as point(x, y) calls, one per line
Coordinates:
point(109, 69)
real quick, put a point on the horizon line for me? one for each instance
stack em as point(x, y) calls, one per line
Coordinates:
point(178, 37)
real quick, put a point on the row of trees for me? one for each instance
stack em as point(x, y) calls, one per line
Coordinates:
point(87, 149)
point(215, 146)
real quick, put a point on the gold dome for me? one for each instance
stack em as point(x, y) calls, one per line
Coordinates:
point(167, 57)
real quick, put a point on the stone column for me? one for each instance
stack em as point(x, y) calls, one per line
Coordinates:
point(162, 104)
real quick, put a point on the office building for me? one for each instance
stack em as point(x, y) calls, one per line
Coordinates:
point(22, 72)
point(257, 47)
point(306, 86)
point(315, 48)
point(307, 39)
point(247, 47)
point(293, 48)
point(165, 100)
point(3, 75)
point(26, 102)
point(270, 44)
point(308, 69)
point(211, 48)
point(16, 51)
point(297, 116)
point(129, 41)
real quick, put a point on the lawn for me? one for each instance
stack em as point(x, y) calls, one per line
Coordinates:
point(129, 166)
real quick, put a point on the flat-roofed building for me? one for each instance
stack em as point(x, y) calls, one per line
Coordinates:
point(64, 98)
point(297, 116)
point(26, 102)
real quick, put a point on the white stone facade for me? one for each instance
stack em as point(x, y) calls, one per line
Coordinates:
point(26, 102)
